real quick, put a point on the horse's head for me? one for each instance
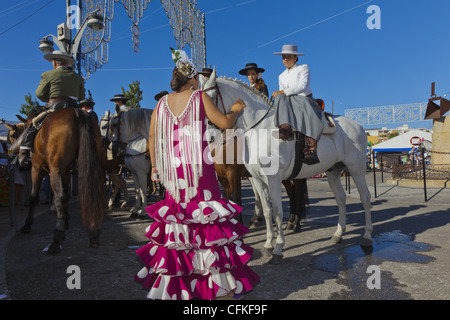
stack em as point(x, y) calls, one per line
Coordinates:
point(225, 91)
point(15, 131)
point(209, 85)
point(15, 134)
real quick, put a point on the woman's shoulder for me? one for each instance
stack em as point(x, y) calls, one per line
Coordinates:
point(303, 67)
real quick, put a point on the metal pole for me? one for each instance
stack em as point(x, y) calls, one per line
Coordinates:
point(382, 167)
point(374, 174)
point(79, 48)
point(424, 175)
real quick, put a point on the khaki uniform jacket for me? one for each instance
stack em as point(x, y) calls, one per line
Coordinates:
point(60, 82)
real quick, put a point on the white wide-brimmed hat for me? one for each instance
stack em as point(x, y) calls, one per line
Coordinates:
point(289, 49)
point(60, 55)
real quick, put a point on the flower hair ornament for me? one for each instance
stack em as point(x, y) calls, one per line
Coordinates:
point(183, 63)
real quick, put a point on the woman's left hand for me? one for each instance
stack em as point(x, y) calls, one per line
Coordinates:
point(276, 93)
point(155, 175)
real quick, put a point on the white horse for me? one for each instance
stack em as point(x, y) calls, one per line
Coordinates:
point(270, 160)
point(129, 131)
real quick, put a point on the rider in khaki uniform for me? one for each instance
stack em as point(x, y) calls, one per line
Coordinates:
point(59, 88)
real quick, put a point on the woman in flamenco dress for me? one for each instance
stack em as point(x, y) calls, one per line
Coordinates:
point(195, 251)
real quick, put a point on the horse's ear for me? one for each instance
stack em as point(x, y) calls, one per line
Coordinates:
point(9, 126)
point(117, 109)
point(21, 118)
point(213, 75)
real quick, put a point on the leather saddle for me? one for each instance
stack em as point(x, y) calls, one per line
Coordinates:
point(329, 126)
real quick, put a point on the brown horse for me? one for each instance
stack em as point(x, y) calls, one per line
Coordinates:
point(230, 173)
point(69, 138)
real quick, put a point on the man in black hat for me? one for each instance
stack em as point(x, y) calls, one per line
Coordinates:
point(206, 72)
point(88, 106)
point(160, 95)
point(120, 102)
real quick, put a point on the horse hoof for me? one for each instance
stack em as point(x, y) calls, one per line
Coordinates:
point(94, 244)
point(253, 225)
point(366, 242)
point(297, 228)
point(54, 249)
point(25, 230)
point(336, 239)
point(266, 252)
point(290, 226)
point(141, 217)
point(134, 215)
point(276, 259)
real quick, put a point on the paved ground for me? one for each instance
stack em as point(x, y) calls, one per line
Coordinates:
point(410, 253)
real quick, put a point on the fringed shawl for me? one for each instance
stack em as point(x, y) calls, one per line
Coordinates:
point(187, 154)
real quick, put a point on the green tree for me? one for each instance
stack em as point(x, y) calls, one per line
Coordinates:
point(134, 94)
point(29, 105)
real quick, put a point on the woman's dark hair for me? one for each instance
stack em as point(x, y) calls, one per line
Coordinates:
point(178, 80)
point(259, 84)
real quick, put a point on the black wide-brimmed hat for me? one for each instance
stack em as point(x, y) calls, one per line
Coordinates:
point(87, 103)
point(160, 95)
point(119, 97)
point(251, 66)
point(206, 72)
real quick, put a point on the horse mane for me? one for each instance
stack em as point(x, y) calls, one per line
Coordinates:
point(259, 106)
point(248, 90)
point(137, 119)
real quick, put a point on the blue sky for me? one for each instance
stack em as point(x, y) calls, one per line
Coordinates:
point(350, 64)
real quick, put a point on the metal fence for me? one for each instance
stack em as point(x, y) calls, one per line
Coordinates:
point(416, 166)
point(416, 172)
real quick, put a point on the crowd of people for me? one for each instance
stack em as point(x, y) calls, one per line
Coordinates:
point(195, 248)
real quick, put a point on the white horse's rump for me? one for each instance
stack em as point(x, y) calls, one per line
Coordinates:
point(275, 158)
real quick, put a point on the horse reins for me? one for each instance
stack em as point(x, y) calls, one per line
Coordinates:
point(219, 94)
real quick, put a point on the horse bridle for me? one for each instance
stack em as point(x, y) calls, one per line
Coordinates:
point(219, 95)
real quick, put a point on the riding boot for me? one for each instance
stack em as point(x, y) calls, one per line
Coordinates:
point(26, 146)
point(286, 133)
point(310, 153)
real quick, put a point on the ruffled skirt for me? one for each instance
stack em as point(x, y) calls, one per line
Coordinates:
point(195, 251)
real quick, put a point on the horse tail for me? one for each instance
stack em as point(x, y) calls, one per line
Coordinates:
point(91, 189)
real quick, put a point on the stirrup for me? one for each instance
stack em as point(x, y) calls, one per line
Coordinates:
point(310, 157)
